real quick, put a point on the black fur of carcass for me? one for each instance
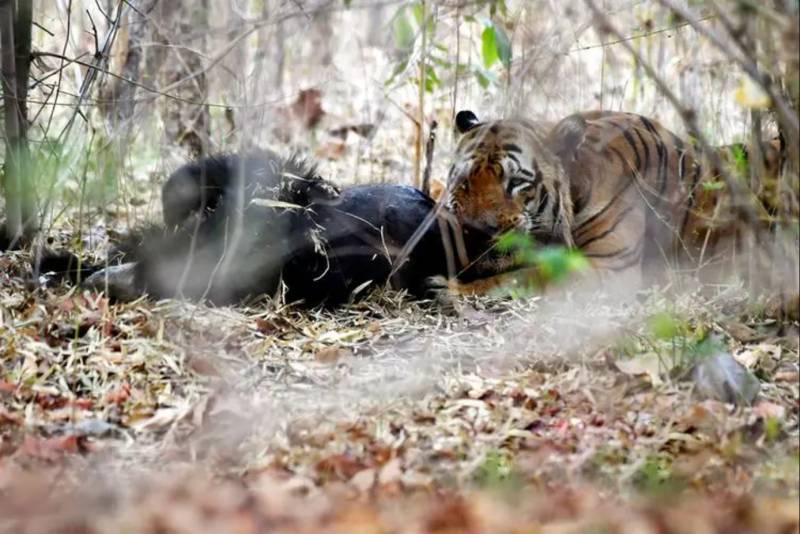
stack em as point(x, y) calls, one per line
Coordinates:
point(236, 226)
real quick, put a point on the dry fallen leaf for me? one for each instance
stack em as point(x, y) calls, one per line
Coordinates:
point(648, 365)
point(769, 410)
point(332, 354)
point(51, 448)
point(753, 356)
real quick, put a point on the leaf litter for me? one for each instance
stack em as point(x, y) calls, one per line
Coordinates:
point(385, 415)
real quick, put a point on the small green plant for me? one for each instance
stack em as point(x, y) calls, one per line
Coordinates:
point(667, 347)
point(677, 342)
point(655, 477)
point(496, 473)
point(772, 429)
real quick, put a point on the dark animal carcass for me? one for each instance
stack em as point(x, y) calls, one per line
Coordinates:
point(236, 226)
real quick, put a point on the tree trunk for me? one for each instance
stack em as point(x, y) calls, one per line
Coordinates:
point(186, 121)
point(15, 46)
point(120, 94)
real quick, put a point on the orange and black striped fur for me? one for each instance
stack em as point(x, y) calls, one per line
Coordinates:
point(620, 187)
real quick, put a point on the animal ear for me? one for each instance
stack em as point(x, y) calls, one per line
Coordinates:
point(567, 137)
point(466, 120)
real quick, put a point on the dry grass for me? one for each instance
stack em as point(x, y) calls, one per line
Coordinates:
point(147, 415)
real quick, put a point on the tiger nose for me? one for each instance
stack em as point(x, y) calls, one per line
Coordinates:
point(511, 221)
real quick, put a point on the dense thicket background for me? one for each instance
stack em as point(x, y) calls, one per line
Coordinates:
point(122, 92)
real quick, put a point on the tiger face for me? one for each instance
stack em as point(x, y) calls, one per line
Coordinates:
point(504, 179)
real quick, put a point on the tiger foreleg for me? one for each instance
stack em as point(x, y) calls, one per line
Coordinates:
point(523, 280)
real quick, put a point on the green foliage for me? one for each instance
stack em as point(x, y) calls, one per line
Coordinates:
point(496, 45)
point(669, 346)
point(554, 263)
point(402, 31)
point(664, 326)
point(655, 477)
point(408, 26)
point(496, 473)
point(740, 160)
point(772, 429)
point(713, 186)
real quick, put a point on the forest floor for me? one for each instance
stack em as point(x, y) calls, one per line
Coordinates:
point(391, 415)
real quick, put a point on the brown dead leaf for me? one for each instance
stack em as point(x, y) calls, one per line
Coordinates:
point(391, 472)
point(648, 365)
point(82, 403)
point(341, 466)
point(761, 355)
point(698, 417)
point(332, 354)
point(7, 417)
point(787, 376)
point(741, 332)
point(333, 149)
point(451, 514)
point(202, 366)
point(51, 448)
point(120, 395)
point(437, 189)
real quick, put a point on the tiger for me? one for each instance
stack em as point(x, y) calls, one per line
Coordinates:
point(620, 187)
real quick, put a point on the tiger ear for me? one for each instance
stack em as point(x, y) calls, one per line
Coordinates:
point(466, 120)
point(567, 137)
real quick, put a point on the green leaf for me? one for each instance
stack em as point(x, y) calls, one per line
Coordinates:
point(503, 46)
point(432, 81)
point(496, 45)
point(417, 11)
point(489, 48)
point(514, 240)
point(663, 326)
point(402, 31)
point(484, 77)
point(397, 71)
point(713, 186)
point(555, 263)
point(483, 81)
point(740, 160)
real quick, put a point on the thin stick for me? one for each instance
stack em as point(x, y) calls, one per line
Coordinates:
point(426, 176)
point(100, 58)
point(458, 61)
point(421, 102)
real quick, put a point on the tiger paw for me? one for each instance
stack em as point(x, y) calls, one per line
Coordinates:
point(443, 291)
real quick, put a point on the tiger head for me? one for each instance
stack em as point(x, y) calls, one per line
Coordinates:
point(506, 178)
